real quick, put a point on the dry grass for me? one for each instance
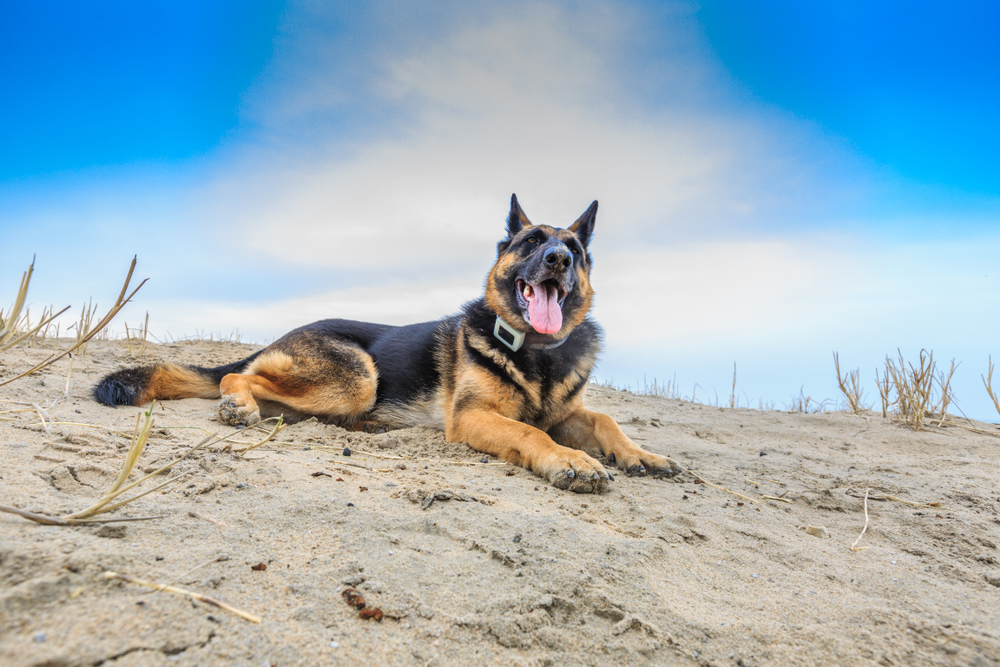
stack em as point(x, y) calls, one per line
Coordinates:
point(83, 326)
point(82, 339)
point(806, 404)
point(851, 387)
point(732, 394)
point(908, 390)
point(107, 503)
point(988, 383)
point(663, 390)
point(139, 336)
point(16, 328)
point(253, 618)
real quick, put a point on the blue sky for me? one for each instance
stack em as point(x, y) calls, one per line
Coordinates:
point(777, 180)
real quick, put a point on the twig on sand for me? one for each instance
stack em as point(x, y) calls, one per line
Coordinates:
point(58, 521)
point(179, 578)
point(900, 500)
point(209, 519)
point(783, 500)
point(716, 486)
point(42, 414)
point(906, 502)
point(180, 591)
point(277, 427)
point(353, 465)
point(855, 547)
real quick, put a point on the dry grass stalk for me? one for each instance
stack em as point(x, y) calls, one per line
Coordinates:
point(851, 388)
point(716, 486)
point(855, 547)
point(14, 328)
point(118, 305)
point(8, 324)
point(884, 388)
point(83, 325)
point(988, 383)
point(277, 428)
point(732, 395)
point(179, 578)
point(803, 403)
point(118, 487)
point(142, 346)
point(944, 384)
point(180, 591)
point(897, 500)
point(906, 502)
point(971, 429)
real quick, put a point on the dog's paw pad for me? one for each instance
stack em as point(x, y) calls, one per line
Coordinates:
point(582, 481)
point(564, 479)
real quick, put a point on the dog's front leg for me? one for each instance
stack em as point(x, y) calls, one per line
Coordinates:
point(600, 434)
point(530, 448)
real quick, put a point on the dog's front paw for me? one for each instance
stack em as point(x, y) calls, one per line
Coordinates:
point(660, 467)
point(236, 410)
point(575, 471)
point(645, 463)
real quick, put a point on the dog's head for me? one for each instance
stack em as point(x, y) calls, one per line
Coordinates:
point(541, 279)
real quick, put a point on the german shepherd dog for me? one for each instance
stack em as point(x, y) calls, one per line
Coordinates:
point(506, 374)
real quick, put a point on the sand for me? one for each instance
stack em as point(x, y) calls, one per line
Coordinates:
point(479, 564)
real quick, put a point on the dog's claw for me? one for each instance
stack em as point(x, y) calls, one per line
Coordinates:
point(571, 474)
point(611, 458)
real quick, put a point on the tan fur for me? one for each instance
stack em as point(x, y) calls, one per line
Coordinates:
point(498, 305)
point(298, 382)
point(171, 382)
point(502, 360)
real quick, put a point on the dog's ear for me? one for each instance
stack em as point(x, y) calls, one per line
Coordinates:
point(516, 219)
point(584, 225)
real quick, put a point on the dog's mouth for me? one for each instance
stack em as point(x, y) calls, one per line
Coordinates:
point(541, 305)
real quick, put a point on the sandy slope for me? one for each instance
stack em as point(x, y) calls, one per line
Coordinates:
point(500, 568)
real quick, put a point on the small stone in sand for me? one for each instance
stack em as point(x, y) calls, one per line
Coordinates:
point(818, 531)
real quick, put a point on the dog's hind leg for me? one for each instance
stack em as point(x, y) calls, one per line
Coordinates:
point(329, 379)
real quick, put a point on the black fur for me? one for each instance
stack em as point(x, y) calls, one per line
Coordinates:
point(123, 387)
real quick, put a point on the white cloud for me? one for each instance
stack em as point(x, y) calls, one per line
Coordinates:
point(534, 101)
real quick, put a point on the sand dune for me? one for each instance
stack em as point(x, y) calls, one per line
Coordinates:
point(476, 563)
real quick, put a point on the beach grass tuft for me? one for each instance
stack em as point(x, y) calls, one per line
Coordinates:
point(850, 385)
point(82, 338)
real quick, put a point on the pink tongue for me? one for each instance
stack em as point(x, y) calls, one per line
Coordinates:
point(544, 310)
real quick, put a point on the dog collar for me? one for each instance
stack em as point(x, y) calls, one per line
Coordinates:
point(514, 339)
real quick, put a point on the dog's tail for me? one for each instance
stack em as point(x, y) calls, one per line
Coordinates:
point(141, 384)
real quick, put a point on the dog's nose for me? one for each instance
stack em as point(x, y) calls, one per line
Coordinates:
point(558, 257)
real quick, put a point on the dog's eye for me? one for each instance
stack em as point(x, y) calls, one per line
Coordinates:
point(531, 239)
